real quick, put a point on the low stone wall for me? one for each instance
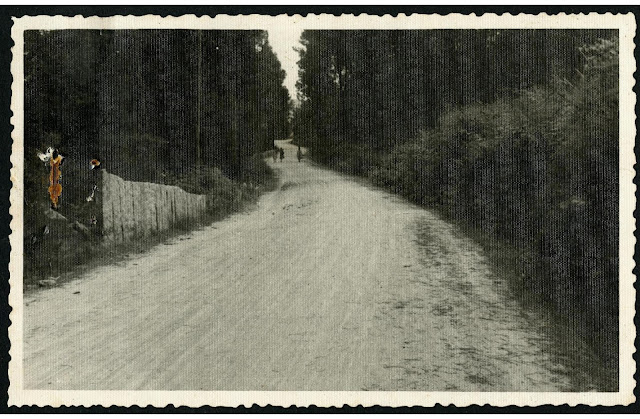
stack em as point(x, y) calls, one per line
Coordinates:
point(137, 209)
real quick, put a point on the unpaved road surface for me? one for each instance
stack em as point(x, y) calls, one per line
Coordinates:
point(328, 285)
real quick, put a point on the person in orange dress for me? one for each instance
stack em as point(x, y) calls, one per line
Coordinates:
point(55, 188)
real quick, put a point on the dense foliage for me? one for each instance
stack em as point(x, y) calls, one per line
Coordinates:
point(514, 133)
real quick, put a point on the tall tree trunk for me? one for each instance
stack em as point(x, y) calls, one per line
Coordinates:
point(199, 101)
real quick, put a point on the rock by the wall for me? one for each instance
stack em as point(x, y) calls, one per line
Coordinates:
point(138, 209)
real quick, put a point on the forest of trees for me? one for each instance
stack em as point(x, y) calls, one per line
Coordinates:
point(513, 133)
point(381, 88)
point(185, 107)
point(150, 104)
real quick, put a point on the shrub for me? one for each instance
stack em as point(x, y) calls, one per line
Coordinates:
point(256, 172)
point(223, 194)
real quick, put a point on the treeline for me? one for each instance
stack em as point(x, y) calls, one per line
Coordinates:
point(514, 133)
point(381, 88)
point(150, 104)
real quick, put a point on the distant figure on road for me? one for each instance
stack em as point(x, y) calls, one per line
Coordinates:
point(281, 154)
point(299, 154)
point(274, 154)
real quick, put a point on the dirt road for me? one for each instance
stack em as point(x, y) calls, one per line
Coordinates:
point(327, 285)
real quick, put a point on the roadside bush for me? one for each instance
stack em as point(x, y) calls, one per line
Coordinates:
point(223, 194)
point(350, 158)
point(256, 172)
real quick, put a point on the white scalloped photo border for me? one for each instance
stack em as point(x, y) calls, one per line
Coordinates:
point(625, 23)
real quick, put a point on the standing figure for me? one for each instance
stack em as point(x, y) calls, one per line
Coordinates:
point(281, 154)
point(55, 188)
point(299, 154)
point(274, 154)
